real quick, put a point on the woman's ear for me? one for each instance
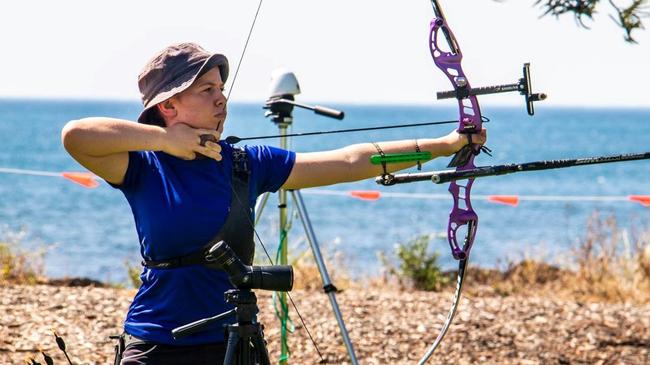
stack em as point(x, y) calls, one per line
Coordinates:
point(167, 109)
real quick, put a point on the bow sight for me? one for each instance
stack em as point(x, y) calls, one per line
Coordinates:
point(524, 87)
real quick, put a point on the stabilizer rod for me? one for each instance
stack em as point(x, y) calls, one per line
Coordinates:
point(441, 177)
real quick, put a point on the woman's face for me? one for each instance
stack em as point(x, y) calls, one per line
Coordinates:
point(201, 105)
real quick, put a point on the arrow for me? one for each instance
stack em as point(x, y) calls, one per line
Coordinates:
point(85, 179)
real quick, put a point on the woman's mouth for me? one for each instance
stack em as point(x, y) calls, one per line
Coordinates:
point(220, 117)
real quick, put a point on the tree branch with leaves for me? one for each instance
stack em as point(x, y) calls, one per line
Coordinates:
point(629, 16)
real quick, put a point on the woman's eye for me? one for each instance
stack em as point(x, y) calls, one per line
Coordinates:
point(208, 89)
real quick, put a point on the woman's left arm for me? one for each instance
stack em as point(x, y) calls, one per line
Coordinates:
point(352, 163)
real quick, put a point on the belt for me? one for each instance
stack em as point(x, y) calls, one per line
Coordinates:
point(195, 258)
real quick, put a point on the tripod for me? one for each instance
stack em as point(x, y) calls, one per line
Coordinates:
point(280, 108)
point(246, 344)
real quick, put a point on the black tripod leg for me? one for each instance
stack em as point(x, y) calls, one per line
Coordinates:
point(233, 341)
point(261, 351)
point(245, 357)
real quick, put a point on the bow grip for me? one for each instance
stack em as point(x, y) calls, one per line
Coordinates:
point(461, 158)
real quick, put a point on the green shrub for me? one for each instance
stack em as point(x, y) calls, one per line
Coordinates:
point(417, 266)
point(133, 272)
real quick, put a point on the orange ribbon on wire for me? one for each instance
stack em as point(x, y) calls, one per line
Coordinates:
point(85, 179)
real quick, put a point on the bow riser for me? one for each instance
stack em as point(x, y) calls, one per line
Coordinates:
point(450, 64)
point(461, 215)
point(470, 122)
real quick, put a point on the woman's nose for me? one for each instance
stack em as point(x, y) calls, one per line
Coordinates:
point(220, 98)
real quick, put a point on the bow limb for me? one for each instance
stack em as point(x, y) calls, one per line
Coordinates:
point(462, 265)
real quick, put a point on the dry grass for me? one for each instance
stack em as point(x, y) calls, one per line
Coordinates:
point(607, 264)
point(612, 263)
point(19, 266)
point(307, 276)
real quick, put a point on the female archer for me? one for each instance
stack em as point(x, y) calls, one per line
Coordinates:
point(181, 182)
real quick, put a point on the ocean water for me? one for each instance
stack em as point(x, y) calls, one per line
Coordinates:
point(90, 232)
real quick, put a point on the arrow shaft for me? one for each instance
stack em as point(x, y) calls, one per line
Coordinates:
point(447, 176)
point(441, 177)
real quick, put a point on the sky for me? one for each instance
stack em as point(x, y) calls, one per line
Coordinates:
point(342, 51)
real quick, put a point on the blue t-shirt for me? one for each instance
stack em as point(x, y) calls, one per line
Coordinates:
point(178, 206)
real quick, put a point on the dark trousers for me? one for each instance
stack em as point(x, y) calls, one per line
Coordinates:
point(148, 354)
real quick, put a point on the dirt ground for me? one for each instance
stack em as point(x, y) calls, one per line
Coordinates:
point(386, 327)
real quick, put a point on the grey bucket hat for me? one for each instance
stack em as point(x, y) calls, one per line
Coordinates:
point(173, 70)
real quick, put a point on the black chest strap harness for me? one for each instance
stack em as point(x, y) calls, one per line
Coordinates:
point(237, 231)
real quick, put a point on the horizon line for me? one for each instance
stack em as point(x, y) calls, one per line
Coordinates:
point(444, 104)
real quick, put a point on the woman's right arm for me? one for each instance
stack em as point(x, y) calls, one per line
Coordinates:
point(102, 144)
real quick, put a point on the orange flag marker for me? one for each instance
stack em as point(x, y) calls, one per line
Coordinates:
point(512, 200)
point(85, 179)
point(365, 194)
point(643, 199)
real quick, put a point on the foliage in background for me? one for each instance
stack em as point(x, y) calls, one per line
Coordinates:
point(608, 263)
point(20, 266)
point(418, 268)
point(522, 277)
point(612, 263)
point(629, 17)
point(307, 276)
point(133, 273)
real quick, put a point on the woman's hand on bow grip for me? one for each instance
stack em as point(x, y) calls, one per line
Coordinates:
point(456, 140)
point(185, 142)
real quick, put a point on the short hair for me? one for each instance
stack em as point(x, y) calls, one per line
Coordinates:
point(154, 117)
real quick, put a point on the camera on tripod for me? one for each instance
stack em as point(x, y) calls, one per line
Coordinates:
point(245, 338)
point(276, 278)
